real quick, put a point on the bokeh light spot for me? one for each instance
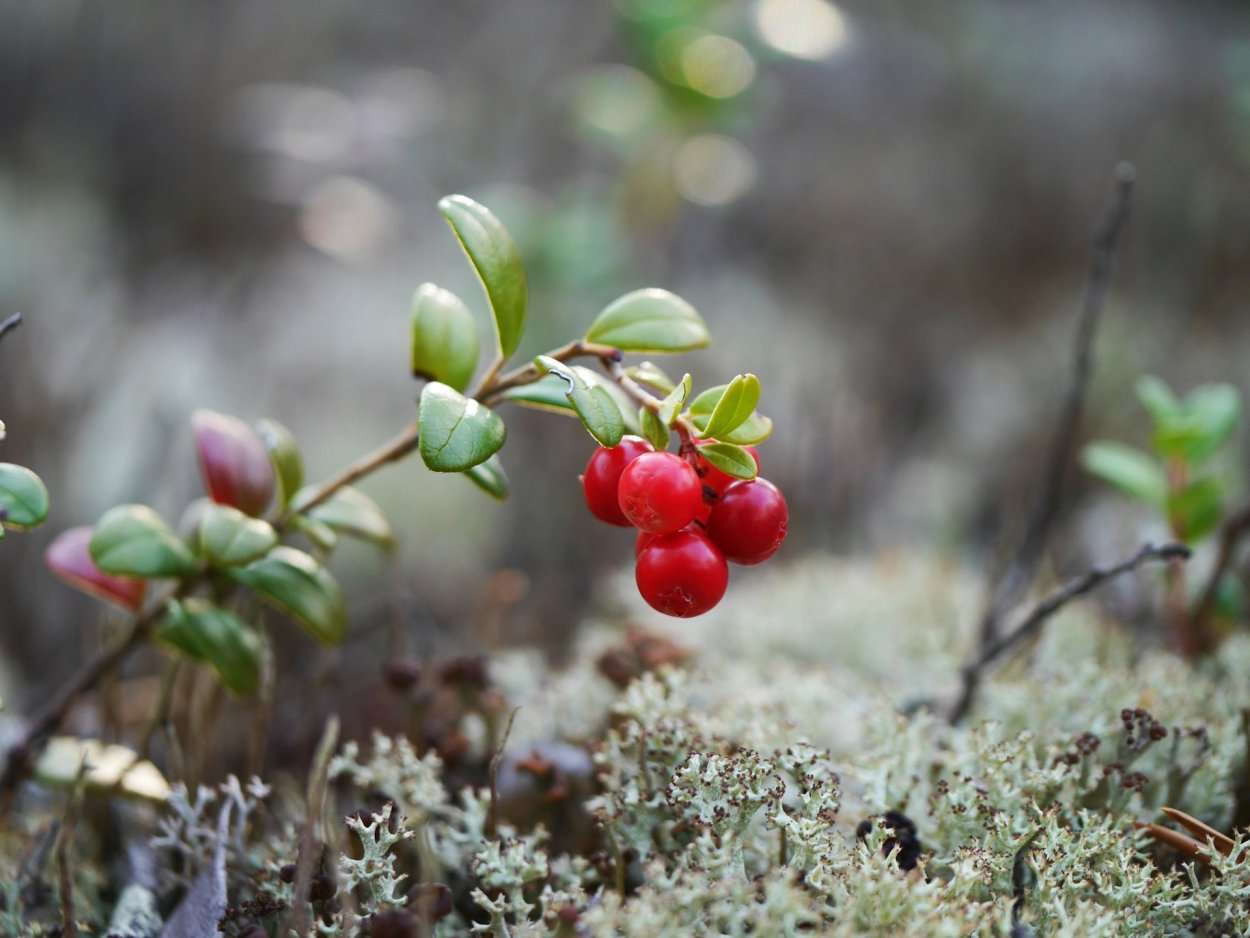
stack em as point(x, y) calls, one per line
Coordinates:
point(805, 29)
point(711, 169)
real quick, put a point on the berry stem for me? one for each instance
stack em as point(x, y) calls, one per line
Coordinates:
point(686, 430)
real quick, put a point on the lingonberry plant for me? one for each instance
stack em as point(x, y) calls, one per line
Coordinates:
point(1186, 480)
point(260, 530)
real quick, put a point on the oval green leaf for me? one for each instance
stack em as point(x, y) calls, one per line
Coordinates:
point(23, 498)
point(229, 538)
point(650, 320)
point(209, 634)
point(593, 404)
point(730, 459)
point(1195, 510)
point(350, 511)
point(133, 540)
point(490, 478)
point(457, 432)
point(295, 584)
point(444, 337)
point(654, 430)
point(284, 453)
point(755, 429)
point(495, 258)
point(675, 401)
point(734, 408)
point(324, 537)
point(1128, 469)
point(1157, 398)
point(650, 374)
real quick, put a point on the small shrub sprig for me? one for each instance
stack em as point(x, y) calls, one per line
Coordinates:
point(183, 588)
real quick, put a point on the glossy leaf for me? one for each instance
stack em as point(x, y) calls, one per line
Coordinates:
point(457, 432)
point(1128, 469)
point(350, 511)
point(234, 462)
point(324, 537)
point(1194, 511)
point(730, 459)
point(550, 393)
point(444, 337)
point(650, 320)
point(284, 454)
point(675, 401)
point(755, 429)
point(133, 540)
point(490, 478)
point(654, 430)
point(23, 497)
point(624, 403)
point(1157, 398)
point(218, 638)
point(294, 583)
point(229, 538)
point(651, 375)
point(594, 405)
point(497, 262)
point(734, 408)
point(69, 557)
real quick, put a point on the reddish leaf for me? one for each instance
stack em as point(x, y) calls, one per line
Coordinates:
point(234, 462)
point(69, 558)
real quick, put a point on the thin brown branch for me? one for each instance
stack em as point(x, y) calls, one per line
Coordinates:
point(1235, 527)
point(492, 816)
point(310, 840)
point(69, 918)
point(1011, 586)
point(393, 450)
point(1033, 622)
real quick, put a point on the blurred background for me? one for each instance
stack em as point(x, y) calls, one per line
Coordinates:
point(881, 208)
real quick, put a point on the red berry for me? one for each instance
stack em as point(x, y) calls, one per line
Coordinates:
point(682, 574)
point(717, 480)
point(660, 493)
point(748, 522)
point(603, 477)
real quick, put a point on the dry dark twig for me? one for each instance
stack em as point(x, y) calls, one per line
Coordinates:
point(492, 817)
point(1010, 587)
point(9, 324)
point(69, 918)
point(1032, 623)
point(310, 840)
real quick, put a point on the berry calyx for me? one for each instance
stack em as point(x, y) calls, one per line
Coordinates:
point(748, 522)
point(660, 493)
point(717, 480)
point(682, 574)
point(603, 476)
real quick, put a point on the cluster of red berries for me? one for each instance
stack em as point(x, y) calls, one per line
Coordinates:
point(691, 517)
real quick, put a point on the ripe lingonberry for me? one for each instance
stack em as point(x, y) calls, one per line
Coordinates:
point(682, 574)
point(603, 477)
point(748, 522)
point(660, 493)
point(717, 480)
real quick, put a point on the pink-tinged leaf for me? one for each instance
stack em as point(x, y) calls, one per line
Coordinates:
point(69, 558)
point(234, 462)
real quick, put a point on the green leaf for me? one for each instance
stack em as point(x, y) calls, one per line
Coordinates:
point(671, 406)
point(654, 430)
point(1195, 510)
point(497, 262)
point(444, 337)
point(650, 375)
point(284, 453)
point(1204, 422)
point(229, 538)
point(132, 540)
point(294, 583)
point(624, 403)
point(1128, 469)
point(734, 408)
point(457, 433)
point(490, 478)
point(1157, 398)
point(597, 408)
point(650, 320)
point(731, 460)
point(551, 394)
point(324, 537)
point(23, 498)
point(216, 637)
point(755, 429)
point(350, 511)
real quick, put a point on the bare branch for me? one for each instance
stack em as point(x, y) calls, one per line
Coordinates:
point(9, 324)
point(1020, 572)
point(1033, 622)
point(492, 817)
